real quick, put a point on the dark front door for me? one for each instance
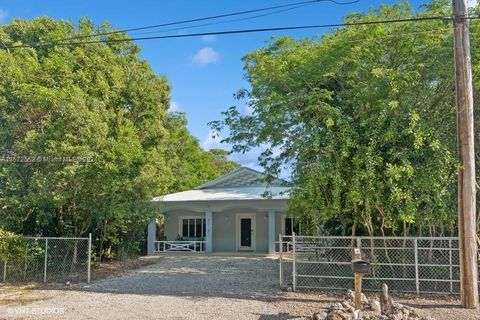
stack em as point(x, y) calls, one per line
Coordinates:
point(246, 232)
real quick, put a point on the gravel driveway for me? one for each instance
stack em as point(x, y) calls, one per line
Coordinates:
point(177, 287)
point(193, 287)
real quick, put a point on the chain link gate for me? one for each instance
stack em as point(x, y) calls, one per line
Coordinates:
point(50, 259)
point(405, 264)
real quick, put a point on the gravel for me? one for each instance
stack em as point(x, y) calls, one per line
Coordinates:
point(188, 287)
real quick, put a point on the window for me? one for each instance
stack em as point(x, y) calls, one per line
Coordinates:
point(291, 226)
point(193, 228)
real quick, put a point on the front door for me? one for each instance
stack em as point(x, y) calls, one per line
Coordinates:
point(246, 232)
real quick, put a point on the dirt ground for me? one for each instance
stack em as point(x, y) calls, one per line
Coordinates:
point(191, 287)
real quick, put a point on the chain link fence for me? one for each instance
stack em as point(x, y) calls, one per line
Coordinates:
point(55, 260)
point(405, 264)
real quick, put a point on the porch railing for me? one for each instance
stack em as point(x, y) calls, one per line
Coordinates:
point(178, 246)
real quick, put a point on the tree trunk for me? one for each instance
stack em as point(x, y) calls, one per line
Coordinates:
point(59, 221)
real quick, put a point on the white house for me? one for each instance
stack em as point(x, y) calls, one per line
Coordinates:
point(228, 214)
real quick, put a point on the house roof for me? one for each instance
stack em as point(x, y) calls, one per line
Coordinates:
point(240, 184)
point(242, 176)
point(240, 193)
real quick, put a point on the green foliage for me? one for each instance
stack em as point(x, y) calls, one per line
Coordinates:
point(365, 117)
point(99, 101)
point(12, 246)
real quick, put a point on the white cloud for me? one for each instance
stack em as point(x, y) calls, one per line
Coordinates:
point(3, 15)
point(212, 141)
point(209, 38)
point(174, 107)
point(205, 56)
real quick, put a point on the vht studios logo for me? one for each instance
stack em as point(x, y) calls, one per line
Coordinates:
point(34, 311)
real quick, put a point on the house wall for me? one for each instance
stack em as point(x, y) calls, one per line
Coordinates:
point(225, 230)
point(224, 236)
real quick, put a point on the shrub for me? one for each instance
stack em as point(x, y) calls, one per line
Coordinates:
point(12, 246)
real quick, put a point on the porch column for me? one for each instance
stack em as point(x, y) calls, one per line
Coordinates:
point(271, 231)
point(209, 232)
point(151, 235)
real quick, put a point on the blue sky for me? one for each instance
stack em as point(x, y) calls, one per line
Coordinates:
point(204, 72)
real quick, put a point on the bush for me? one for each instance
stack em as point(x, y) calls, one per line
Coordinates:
point(12, 246)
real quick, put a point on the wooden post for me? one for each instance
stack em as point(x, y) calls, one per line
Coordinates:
point(357, 255)
point(466, 175)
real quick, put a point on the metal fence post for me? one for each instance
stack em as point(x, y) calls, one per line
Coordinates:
point(45, 262)
point(450, 263)
point(417, 281)
point(89, 256)
point(281, 260)
point(294, 272)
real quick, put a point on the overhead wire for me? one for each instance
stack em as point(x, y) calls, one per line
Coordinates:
point(223, 21)
point(240, 31)
point(206, 18)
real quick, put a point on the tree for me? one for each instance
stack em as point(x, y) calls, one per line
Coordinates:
point(97, 103)
point(365, 117)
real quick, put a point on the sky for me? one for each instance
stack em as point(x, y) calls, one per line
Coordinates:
point(204, 72)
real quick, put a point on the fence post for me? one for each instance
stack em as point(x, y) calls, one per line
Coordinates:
point(4, 270)
point(450, 263)
point(89, 256)
point(417, 281)
point(281, 258)
point(294, 267)
point(45, 262)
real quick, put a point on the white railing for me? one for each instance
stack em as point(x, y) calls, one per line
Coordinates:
point(284, 244)
point(178, 246)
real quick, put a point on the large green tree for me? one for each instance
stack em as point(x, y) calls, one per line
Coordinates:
point(365, 118)
point(100, 102)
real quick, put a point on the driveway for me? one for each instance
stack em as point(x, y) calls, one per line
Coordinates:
point(178, 287)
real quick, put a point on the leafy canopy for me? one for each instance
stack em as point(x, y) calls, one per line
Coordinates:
point(365, 118)
point(100, 101)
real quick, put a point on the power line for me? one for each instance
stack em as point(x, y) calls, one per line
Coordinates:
point(225, 21)
point(332, 25)
point(206, 18)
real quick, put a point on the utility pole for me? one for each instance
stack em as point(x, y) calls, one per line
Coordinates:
point(467, 234)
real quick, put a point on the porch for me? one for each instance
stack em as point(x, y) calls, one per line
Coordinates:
point(236, 212)
point(232, 231)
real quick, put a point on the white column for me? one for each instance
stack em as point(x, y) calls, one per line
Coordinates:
point(271, 231)
point(151, 235)
point(209, 232)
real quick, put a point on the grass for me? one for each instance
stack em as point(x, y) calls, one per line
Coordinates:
point(19, 295)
